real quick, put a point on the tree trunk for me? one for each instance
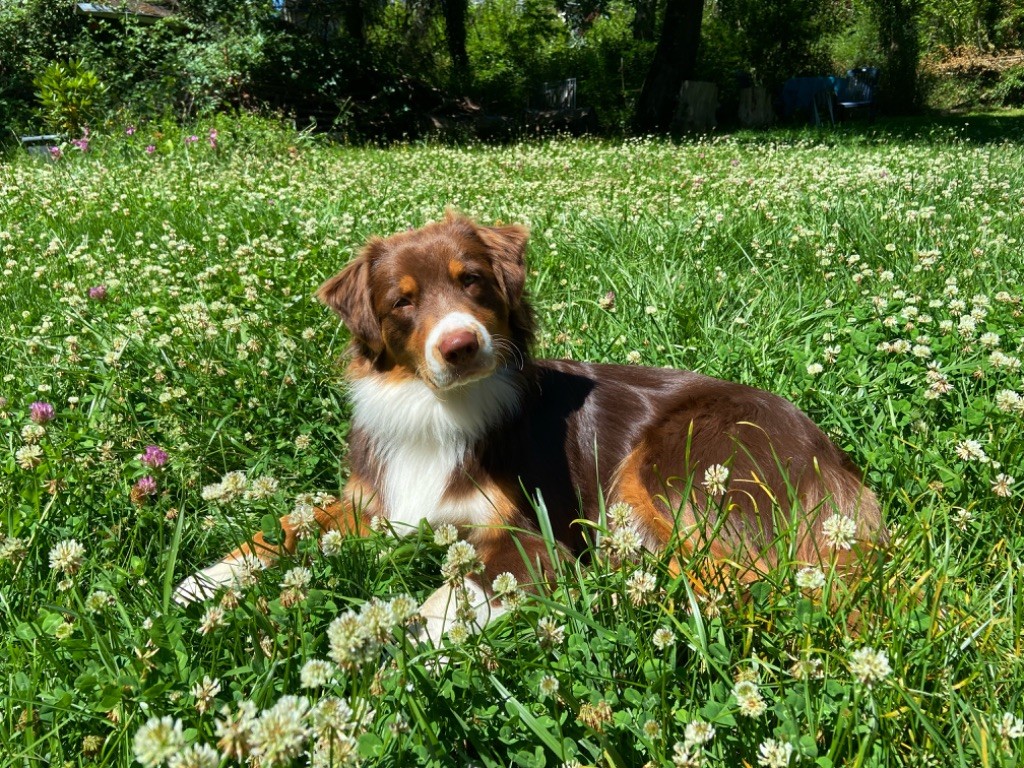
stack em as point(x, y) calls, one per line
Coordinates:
point(900, 42)
point(354, 16)
point(645, 19)
point(675, 60)
point(455, 12)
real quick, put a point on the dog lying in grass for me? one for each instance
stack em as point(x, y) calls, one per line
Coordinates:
point(455, 423)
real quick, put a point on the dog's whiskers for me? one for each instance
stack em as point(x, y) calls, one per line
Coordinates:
point(505, 348)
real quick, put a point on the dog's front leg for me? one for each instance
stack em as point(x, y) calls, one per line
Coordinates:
point(351, 515)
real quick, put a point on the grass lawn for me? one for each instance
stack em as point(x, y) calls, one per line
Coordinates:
point(168, 385)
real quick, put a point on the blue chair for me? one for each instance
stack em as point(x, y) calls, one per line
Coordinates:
point(858, 91)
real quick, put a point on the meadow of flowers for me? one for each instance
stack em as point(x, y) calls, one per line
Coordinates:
point(168, 385)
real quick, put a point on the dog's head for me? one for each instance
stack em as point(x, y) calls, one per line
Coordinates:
point(444, 303)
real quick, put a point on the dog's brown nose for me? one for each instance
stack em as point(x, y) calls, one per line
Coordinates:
point(459, 348)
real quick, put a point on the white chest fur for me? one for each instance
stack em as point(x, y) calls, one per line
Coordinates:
point(421, 439)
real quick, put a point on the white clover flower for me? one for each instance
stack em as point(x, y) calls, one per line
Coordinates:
point(234, 730)
point(234, 484)
point(214, 492)
point(749, 699)
point(303, 521)
point(619, 515)
point(686, 757)
point(338, 749)
point(66, 557)
point(205, 691)
point(299, 577)
point(640, 586)
point(98, 600)
point(33, 433)
point(212, 619)
point(652, 729)
point(446, 535)
point(332, 543)
point(1001, 485)
point(971, 450)
point(715, 478)
point(839, 531)
point(334, 715)
point(262, 488)
point(458, 633)
point(460, 560)
point(774, 753)
point(869, 666)
point(12, 548)
point(356, 638)
point(810, 578)
point(1001, 360)
point(967, 326)
point(316, 673)
point(158, 740)
point(550, 634)
point(698, 733)
point(195, 756)
point(279, 734)
point(1009, 401)
point(1010, 727)
point(246, 571)
point(663, 638)
point(806, 669)
point(813, 369)
point(504, 583)
point(624, 543)
point(29, 456)
point(548, 686)
point(989, 339)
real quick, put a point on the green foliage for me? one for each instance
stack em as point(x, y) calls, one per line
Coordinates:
point(1009, 91)
point(780, 40)
point(982, 24)
point(513, 47)
point(33, 33)
point(70, 96)
point(855, 42)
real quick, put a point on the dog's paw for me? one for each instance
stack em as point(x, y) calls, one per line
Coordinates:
point(204, 584)
point(442, 611)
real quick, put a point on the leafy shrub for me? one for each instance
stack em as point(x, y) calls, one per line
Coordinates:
point(70, 96)
point(1009, 91)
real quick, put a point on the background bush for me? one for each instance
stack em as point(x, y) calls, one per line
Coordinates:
point(382, 69)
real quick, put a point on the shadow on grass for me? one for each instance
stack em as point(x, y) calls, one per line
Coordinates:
point(937, 128)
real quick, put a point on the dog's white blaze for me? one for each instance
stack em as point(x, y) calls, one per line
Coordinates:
point(421, 438)
point(440, 372)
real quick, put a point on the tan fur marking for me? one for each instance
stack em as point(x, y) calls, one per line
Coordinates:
point(683, 532)
point(408, 285)
point(455, 268)
point(350, 514)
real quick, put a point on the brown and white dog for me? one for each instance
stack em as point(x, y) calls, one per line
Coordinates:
point(454, 422)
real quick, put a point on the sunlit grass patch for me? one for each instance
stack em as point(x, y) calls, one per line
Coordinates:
point(168, 386)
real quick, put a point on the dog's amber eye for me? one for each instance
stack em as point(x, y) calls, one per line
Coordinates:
point(402, 301)
point(468, 279)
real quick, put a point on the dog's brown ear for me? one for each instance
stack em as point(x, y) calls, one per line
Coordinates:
point(507, 245)
point(348, 294)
